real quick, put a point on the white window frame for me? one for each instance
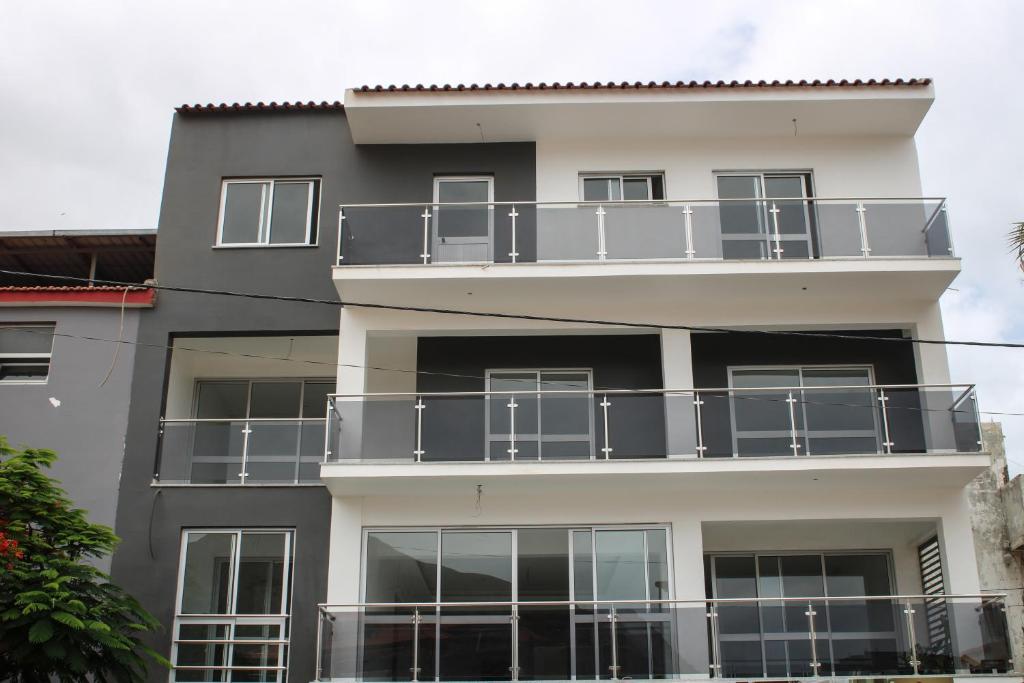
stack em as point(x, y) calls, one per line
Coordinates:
point(810, 238)
point(621, 177)
point(799, 370)
point(231, 619)
point(538, 373)
point(21, 359)
point(267, 209)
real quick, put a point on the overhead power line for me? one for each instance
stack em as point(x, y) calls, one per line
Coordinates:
point(521, 316)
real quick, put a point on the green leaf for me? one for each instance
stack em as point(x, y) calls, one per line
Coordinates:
point(69, 620)
point(41, 631)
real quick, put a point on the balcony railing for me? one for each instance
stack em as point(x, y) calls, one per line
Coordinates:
point(215, 647)
point(565, 425)
point(767, 638)
point(240, 452)
point(710, 229)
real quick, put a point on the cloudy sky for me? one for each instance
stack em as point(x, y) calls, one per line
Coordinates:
point(87, 91)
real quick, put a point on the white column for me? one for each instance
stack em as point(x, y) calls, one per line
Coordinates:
point(688, 567)
point(958, 547)
point(345, 552)
point(932, 362)
point(677, 372)
point(351, 353)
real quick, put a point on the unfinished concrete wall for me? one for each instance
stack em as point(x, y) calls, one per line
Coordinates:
point(993, 506)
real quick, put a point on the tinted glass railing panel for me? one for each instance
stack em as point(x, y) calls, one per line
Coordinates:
point(222, 452)
point(740, 229)
point(812, 420)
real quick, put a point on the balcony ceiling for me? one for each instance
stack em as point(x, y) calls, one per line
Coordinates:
point(528, 115)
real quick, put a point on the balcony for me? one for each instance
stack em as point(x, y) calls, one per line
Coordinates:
point(381, 440)
point(750, 639)
point(903, 242)
point(240, 452)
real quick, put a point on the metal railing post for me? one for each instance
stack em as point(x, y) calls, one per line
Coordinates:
point(418, 451)
point(812, 632)
point(426, 234)
point(513, 214)
point(246, 431)
point(328, 422)
point(607, 450)
point(515, 643)
point(883, 400)
point(698, 402)
point(512, 405)
point(319, 643)
point(716, 654)
point(614, 668)
point(791, 402)
point(602, 248)
point(341, 217)
point(688, 231)
point(862, 225)
point(415, 644)
point(908, 609)
point(774, 211)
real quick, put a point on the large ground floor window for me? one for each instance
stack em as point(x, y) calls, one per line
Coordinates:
point(772, 638)
point(443, 569)
point(233, 605)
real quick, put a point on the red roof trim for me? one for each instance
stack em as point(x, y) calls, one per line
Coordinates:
point(247, 107)
point(652, 85)
point(78, 296)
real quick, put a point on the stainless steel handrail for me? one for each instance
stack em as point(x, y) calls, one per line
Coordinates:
point(706, 601)
point(286, 420)
point(645, 202)
point(692, 390)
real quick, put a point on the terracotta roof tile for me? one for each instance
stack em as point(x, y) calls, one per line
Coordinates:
point(248, 107)
point(651, 85)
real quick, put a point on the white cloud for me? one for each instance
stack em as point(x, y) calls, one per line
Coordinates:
point(89, 88)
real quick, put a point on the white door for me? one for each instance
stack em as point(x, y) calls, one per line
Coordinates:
point(463, 219)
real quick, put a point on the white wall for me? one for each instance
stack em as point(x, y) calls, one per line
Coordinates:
point(300, 356)
point(841, 166)
point(687, 514)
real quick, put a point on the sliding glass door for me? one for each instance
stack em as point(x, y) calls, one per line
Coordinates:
point(772, 638)
point(765, 215)
point(444, 567)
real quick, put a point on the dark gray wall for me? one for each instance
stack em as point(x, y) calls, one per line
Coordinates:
point(204, 150)
point(87, 429)
point(893, 363)
point(456, 428)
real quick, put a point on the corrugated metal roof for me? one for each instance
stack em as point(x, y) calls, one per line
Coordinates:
point(121, 255)
point(652, 85)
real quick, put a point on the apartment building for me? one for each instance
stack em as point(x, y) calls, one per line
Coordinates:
point(623, 386)
point(64, 380)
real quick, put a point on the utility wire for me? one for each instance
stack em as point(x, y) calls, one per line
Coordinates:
point(518, 316)
point(709, 392)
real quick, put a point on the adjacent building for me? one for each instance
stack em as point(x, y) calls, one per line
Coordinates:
point(555, 381)
point(67, 352)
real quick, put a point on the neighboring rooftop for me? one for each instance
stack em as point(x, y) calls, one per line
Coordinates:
point(118, 255)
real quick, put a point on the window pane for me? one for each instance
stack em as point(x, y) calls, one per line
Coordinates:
point(275, 399)
point(222, 400)
point(26, 339)
point(206, 585)
point(600, 189)
point(582, 565)
point(261, 567)
point(243, 203)
point(23, 372)
point(463, 190)
point(657, 564)
point(476, 566)
point(543, 564)
point(635, 188)
point(740, 217)
point(290, 212)
point(620, 565)
point(401, 566)
point(314, 398)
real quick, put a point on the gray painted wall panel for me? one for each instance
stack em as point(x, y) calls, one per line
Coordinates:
point(88, 428)
point(203, 151)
